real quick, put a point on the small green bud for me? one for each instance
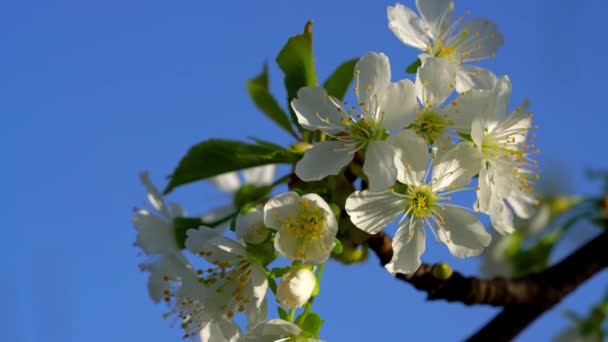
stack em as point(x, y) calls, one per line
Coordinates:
point(300, 147)
point(335, 209)
point(442, 271)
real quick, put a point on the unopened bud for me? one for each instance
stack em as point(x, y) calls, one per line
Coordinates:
point(250, 226)
point(295, 288)
point(442, 271)
point(301, 146)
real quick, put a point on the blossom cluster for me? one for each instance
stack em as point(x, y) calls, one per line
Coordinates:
point(415, 144)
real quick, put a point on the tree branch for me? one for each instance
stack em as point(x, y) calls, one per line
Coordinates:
point(535, 290)
point(562, 278)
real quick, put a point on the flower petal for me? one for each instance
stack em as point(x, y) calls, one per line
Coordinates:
point(408, 246)
point(412, 156)
point(398, 107)
point(482, 39)
point(456, 167)
point(323, 159)
point(473, 77)
point(372, 76)
point(380, 166)
point(278, 207)
point(260, 175)
point(437, 15)
point(407, 26)
point(154, 196)
point(154, 235)
point(217, 246)
point(315, 109)
point(372, 211)
point(228, 182)
point(462, 232)
point(435, 82)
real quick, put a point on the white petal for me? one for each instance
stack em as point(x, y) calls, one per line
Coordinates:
point(315, 109)
point(372, 211)
point(437, 14)
point(540, 219)
point(435, 82)
point(380, 166)
point(206, 239)
point(323, 159)
point(456, 167)
point(473, 77)
point(462, 232)
point(412, 156)
point(319, 253)
point(257, 310)
point(154, 235)
point(501, 216)
point(483, 191)
point(278, 207)
point(250, 227)
point(171, 266)
point(408, 246)
point(220, 330)
point(271, 330)
point(406, 25)
point(260, 175)
point(470, 106)
point(228, 182)
point(154, 196)
point(398, 106)
point(483, 39)
point(372, 76)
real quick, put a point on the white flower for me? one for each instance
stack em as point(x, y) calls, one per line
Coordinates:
point(423, 203)
point(495, 262)
point(156, 237)
point(255, 180)
point(296, 287)
point(385, 106)
point(434, 84)
point(250, 226)
point(306, 226)
point(189, 304)
point(507, 174)
point(438, 36)
point(276, 330)
point(155, 233)
point(234, 282)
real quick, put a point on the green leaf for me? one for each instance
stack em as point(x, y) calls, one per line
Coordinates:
point(216, 156)
point(282, 313)
point(413, 68)
point(182, 224)
point(260, 94)
point(337, 84)
point(312, 324)
point(297, 62)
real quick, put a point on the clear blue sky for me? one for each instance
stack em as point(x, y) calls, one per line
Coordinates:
point(92, 92)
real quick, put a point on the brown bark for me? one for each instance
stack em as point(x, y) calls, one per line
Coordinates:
point(524, 298)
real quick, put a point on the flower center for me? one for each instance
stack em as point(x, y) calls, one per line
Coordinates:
point(308, 226)
point(447, 46)
point(367, 129)
point(421, 201)
point(230, 283)
point(429, 124)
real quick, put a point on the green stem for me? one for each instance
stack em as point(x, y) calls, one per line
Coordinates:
point(292, 313)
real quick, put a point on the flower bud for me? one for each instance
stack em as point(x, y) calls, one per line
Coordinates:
point(296, 287)
point(250, 226)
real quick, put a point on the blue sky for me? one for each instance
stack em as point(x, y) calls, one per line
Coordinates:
point(95, 91)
